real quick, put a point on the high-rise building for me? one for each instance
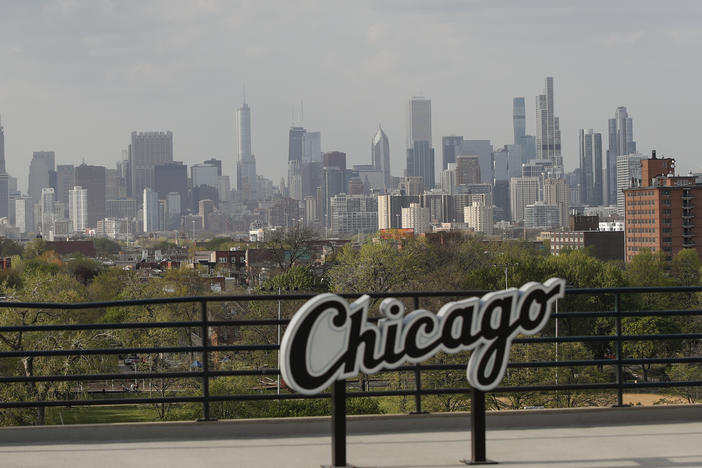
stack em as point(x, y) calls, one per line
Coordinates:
point(519, 119)
point(173, 202)
point(93, 179)
point(148, 150)
point(548, 133)
point(172, 177)
point(479, 214)
point(312, 147)
point(591, 172)
point(620, 142)
point(47, 213)
point(296, 145)
point(419, 120)
point(4, 195)
point(523, 191)
point(661, 210)
point(628, 175)
point(24, 214)
point(65, 181)
point(380, 155)
point(556, 193)
point(40, 169)
point(2, 148)
point(150, 208)
point(216, 163)
point(416, 217)
point(542, 215)
point(204, 174)
point(353, 214)
point(245, 160)
point(467, 169)
point(420, 162)
point(390, 209)
point(78, 209)
point(295, 179)
point(451, 147)
point(483, 148)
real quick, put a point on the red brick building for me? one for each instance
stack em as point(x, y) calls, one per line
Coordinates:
point(661, 212)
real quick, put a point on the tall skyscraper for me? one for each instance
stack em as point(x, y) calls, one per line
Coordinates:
point(295, 143)
point(523, 191)
point(24, 214)
point(312, 147)
point(46, 211)
point(380, 155)
point(620, 142)
point(150, 210)
point(78, 208)
point(172, 177)
point(93, 179)
point(420, 154)
point(628, 174)
point(548, 133)
point(2, 147)
point(482, 148)
point(591, 172)
point(419, 120)
point(65, 181)
point(518, 119)
point(147, 150)
point(246, 161)
point(451, 147)
point(40, 169)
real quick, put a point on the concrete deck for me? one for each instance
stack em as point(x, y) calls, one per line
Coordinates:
point(612, 437)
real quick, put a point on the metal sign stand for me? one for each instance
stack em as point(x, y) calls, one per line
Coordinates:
point(338, 426)
point(477, 430)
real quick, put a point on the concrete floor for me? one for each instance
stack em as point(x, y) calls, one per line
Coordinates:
point(639, 444)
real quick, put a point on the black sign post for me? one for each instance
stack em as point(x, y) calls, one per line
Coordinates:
point(338, 422)
point(478, 455)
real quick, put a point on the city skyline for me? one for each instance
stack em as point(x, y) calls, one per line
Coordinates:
point(106, 85)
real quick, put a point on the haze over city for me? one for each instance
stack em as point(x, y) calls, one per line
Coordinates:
point(78, 77)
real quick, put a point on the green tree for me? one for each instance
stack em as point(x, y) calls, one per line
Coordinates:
point(105, 247)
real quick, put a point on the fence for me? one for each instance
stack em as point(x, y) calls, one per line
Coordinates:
point(611, 307)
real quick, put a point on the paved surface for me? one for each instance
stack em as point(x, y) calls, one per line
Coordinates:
point(660, 444)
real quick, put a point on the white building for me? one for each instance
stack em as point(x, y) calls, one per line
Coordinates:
point(416, 217)
point(150, 210)
point(24, 214)
point(353, 214)
point(479, 217)
point(78, 208)
point(628, 168)
point(555, 192)
point(46, 207)
point(380, 155)
point(523, 191)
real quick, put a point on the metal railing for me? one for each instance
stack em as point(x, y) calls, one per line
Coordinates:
point(608, 303)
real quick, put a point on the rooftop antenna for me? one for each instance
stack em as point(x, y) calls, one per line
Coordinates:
point(302, 111)
point(293, 115)
point(244, 86)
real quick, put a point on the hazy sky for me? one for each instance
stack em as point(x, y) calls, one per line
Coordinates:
point(77, 77)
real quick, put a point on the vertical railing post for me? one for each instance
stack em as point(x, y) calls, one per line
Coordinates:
point(620, 370)
point(338, 423)
point(478, 453)
point(417, 375)
point(205, 361)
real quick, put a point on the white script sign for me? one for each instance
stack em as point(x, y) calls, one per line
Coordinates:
point(329, 339)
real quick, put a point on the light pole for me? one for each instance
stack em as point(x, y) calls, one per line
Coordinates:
point(278, 376)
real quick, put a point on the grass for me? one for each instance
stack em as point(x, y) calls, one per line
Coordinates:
point(115, 414)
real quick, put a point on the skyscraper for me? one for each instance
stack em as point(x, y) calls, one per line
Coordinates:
point(518, 119)
point(78, 208)
point(295, 143)
point(150, 210)
point(591, 189)
point(380, 155)
point(548, 133)
point(147, 150)
point(65, 181)
point(246, 161)
point(40, 169)
point(620, 142)
point(2, 148)
point(93, 179)
point(451, 147)
point(172, 177)
point(420, 154)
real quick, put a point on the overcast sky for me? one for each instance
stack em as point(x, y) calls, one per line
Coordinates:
point(77, 77)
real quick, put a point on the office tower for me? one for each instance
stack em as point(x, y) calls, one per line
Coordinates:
point(555, 192)
point(515, 159)
point(353, 214)
point(216, 163)
point(467, 169)
point(390, 209)
point(518, 119)
point(420, 163)
point(148, 150)
point(295, 179)
point(40, 169)
point(416, 217)
point(115, 186)
point(24, 214)
point(380, 155)
point(548, 133)
point(65, 181)
point(523, 191)
point(204, 174)
point(172, 177)
point(628, 175)
point(173, 202)
point(223, 188)
point(205, 208)
point(295, 143)
point(126, 208)
point(448, 179)
point(483, 148)
point(46, 210)
point(78, 209)
point(150, 207)
point(591, 190)
point(312, 147)
point(245, 160)
point(4, 195)
point(620, 142)
point(451, 147)
point(334, 159)
point(93, 179)
point(661, 210)
point(542, 215)
point(311, 177)
point(2, 148)
point(419, 120)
